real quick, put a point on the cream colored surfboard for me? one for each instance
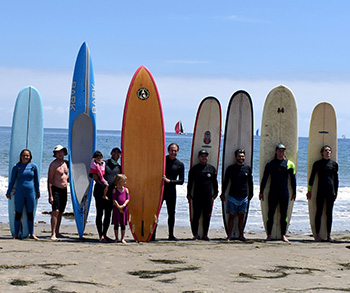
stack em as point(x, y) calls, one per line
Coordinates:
point(206, 135)
point(279, 125)
point(323, 131)
point(238, 135)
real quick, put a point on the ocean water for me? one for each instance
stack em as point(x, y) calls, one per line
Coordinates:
point(107, 139)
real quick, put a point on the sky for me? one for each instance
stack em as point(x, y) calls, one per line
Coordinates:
point(193, 49)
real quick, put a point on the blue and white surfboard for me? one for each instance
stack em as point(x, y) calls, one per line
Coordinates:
point(82, 136)
point(27, 133)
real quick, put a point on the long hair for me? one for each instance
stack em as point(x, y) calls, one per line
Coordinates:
point(30, 155)
point(118, 179)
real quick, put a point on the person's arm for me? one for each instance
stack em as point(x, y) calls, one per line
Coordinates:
point(250, 185)
point(225, 184)
point(181, 179)
point(264, 181)
point(293, 181)
point(336, 181)
point(215, 184)
point(12, 181)
point(190, 184)
point(100, 175)
point(50, 178)
point(36, 181)
point(311, 180)
point(127, 198)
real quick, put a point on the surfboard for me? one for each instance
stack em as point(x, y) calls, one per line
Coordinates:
point(238, 135)
point(27, 133)
point(82, 136)
point(279, 125)
point(143, 160)
point(323, 131)
point(206, 135)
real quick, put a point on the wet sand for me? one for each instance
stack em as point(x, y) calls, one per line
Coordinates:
point(74, 265)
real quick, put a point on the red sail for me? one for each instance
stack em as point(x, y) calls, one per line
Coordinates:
point(178, 127)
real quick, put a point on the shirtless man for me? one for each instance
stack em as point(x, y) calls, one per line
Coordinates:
point(57, 187)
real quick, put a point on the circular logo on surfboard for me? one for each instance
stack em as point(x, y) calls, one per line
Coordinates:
point(143, 94)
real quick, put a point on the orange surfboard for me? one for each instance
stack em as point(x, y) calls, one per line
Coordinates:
point(143, 159)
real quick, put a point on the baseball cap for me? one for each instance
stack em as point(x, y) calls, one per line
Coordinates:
point(203, 152)
point(59, 148)
point(280, 146)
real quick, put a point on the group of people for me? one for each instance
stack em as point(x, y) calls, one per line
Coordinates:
point(111, 194)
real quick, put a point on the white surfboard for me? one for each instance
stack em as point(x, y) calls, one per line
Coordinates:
point(279, 125)
point(206, 135)
point(323, 131)
point(238, 135)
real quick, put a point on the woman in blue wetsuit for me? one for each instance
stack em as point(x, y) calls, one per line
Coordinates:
point(26, 175)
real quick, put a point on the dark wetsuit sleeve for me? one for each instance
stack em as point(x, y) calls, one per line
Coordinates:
point(215, 183)
point(13, 178)
point(190, 182)
point(36, 180)
point(313, 174)
point(293, 181)
point(265, 177)
point(226, 180)
point(336, 180)
point(181, 177)
point(250, 184)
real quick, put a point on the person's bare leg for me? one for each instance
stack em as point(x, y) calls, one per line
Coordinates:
point(59, 219)
point(241, 227)
point(122, 235)
point(230, 226)
point(285, 239)
point(54, 219)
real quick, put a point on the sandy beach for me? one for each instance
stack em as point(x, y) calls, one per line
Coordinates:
point(73, 265)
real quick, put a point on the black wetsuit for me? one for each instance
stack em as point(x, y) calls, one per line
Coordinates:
point(241, 180)
point(203, 180)
point(102, 205)
point(174, 169)
point(328, 182)
point(280, 171)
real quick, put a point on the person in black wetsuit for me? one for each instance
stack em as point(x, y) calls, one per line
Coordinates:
point(174, 175)
point(203, 179)
point(280, 170)
point(104, 206)
point(327, 189)
point(241, 190)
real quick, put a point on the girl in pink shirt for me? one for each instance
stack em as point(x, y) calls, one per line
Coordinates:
point(97, 170)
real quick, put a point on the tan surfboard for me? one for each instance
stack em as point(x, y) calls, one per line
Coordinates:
point(206, 135)
point(323, 131)
point(279, 125)
point(238, 135)
point(143, 160)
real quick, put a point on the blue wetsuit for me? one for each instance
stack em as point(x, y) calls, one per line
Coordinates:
point(27, 188)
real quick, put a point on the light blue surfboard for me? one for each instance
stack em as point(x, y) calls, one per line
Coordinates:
point(82, 136)
point(27, 133)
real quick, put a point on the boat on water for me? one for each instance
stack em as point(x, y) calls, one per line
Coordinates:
point(179, 128)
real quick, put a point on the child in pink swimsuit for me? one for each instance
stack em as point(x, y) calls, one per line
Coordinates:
point(120, 199)
point(97, 170)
